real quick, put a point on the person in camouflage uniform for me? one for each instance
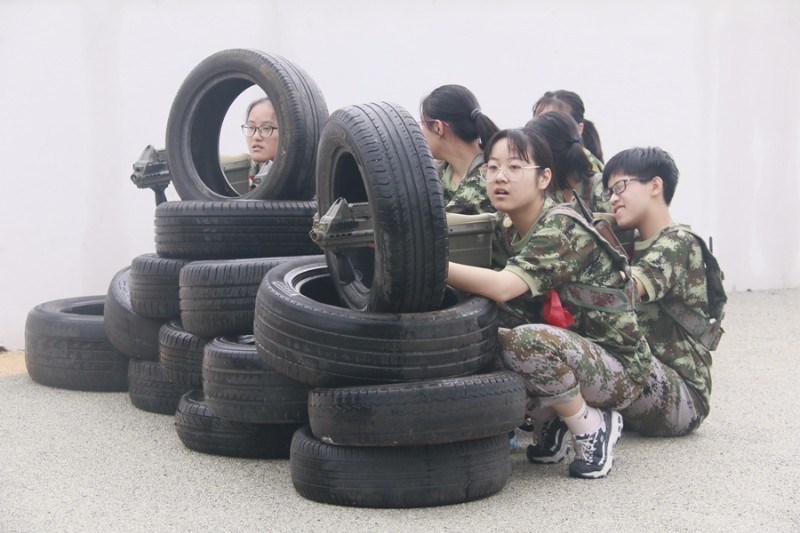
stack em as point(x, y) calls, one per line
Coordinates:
point(590, 359)
point(572, 104)
point(456, 130)
point(573, 170)
point(668, 268)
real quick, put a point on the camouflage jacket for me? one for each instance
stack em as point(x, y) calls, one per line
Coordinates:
point(591, 192)
point(563, 254)
point(670, 266)
point(469, 197)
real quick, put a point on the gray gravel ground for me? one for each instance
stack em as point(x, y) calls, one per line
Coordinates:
point(77, 461)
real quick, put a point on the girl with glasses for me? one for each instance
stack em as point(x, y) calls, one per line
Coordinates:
point(589, 358)
point(261, 133)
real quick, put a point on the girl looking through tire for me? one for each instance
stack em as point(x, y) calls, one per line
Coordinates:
point(590, 359)
point(261, 132)
point(456, 131)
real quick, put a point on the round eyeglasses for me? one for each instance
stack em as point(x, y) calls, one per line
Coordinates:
point(264, 131)
point(618, 188)
point(512, 172)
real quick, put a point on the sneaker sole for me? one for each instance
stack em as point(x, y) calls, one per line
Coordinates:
point(613, 437)
point(557, 458)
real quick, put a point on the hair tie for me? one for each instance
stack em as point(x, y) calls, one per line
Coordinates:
point(575, 140)
point(475, 113)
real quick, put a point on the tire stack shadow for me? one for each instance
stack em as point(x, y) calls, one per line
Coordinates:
point(378, 389)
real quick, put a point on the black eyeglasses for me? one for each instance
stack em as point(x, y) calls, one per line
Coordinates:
point(619, 188)
point(264, 131)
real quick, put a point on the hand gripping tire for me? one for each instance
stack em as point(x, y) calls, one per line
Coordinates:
point(198, 111)
point(303, 330)
point(376, 153)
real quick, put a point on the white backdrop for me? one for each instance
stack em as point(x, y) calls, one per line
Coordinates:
point(87, 84)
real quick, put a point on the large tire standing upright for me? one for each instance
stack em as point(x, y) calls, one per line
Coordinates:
point(200, 106)
point(376, 153)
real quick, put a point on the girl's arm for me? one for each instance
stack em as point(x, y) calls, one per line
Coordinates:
point(500, 286)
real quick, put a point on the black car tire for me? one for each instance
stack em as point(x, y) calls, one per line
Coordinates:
point(302, 330)
point(181, 355)
point(201, 430)
point(234, 230)
point(129, 332)
point(219, 297)
point(151, 390)
point(239, 385)
point(399, 476)
point(66, 346)
point(154, 286)
point(376, 153)
point(421, 412)
point(199, 109)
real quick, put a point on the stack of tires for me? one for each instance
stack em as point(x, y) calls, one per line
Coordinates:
point(165, 312)
point(360, 365)
point(402, 414)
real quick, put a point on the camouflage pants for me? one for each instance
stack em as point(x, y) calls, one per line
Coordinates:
point(665, 408)
point(557, 363)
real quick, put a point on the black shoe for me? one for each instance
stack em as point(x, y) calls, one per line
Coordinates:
point(594, 452)
point(551, 442)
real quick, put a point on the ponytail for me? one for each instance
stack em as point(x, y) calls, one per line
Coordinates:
point(591, 139)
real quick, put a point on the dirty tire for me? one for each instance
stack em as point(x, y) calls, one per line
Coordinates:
point(181, 355)
point(234, 230)
point(422, 412)
point(401, 476)
point(219, 297)
point(239, 385)
point(302, 330)
point(376, 153)
point(200, 430)
point(66, 346)
point(154, 286)
point(130, 333)
point(199, 108)
point(151, 390)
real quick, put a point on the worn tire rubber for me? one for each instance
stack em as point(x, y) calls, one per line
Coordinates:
point(198, 111)
point(154, 286)
point(181, 355)
point(422, 412)
point(239, 385)
point(376, 153)
point(219, 297)
point(66, 346)
point(202, 431)
point(151, 390)
point(234, 230)
point(400, 476)
point(302, 330)
point(130, 333)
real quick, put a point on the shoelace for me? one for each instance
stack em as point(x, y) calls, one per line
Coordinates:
point(584, 448)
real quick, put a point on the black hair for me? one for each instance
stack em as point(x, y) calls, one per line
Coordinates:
point(561, 132)
point(525, 144)
point(646, 163)
point(255, 103)
point(571, 103)
point(456, 105)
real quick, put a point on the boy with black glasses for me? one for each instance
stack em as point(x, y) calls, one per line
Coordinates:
point(673, 271)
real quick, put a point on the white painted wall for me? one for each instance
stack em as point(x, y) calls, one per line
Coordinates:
point(87, 84)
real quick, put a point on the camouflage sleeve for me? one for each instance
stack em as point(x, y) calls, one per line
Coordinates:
point(598, 204)
point(664, 264)
point(552, 257)
point(470, 198)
